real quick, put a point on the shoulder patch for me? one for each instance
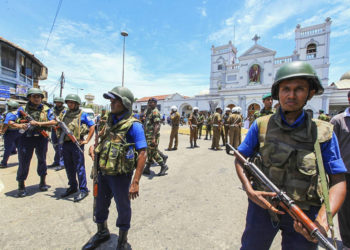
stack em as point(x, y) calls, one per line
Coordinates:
point(324, 130)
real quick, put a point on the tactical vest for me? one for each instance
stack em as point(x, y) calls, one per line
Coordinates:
point(152, 117)
point(289, 159)
point(116, 155)
point(58, 112)
point(39, 115)
point(73, 121)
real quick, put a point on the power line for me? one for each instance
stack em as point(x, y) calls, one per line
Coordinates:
point(53, 23)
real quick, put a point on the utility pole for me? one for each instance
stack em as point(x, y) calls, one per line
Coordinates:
point(124, 34)
point(62, 81)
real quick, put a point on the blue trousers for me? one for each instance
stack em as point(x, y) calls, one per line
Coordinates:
point(260, 231)
point(116, 186)
point(58, 159)
point(74, 163)
point(11, 142)
point(25, 153)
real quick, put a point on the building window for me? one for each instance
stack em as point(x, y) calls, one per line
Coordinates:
point(311, 51)
point(22, 64)
point(29, 72)
point(220, 67)
point(8, 57)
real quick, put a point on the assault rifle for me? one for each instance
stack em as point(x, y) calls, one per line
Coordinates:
point(284, 200)
point(94, 172)
point(28, 118)
point(69, 133)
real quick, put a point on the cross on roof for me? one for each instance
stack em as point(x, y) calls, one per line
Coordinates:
point(256, 38)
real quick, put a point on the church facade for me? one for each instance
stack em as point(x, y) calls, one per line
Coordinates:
point(243, 80)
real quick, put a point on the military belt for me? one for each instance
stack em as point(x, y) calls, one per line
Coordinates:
point(215, 125)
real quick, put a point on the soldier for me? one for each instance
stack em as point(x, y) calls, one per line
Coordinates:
point(152, 132)
point(81, 125)
point(208, 124)
point(32, 138)
point(193, 123)
point(267, 109)
point(121, 150)
point(200, 124)
point(175, 122)
point(217, 126)
point(58, 162)
point(341, 124)
point(10, 134)
point(286, 142)
point(226, 124)
point(103, 119)
point(235, 124)
point(323, 116)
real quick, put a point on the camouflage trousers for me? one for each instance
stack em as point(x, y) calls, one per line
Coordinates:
point(153, 152)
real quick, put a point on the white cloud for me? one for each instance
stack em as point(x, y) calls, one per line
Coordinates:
point(91, 58)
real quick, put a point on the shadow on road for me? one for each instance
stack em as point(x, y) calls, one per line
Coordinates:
point(58, 192)
point(31, 190)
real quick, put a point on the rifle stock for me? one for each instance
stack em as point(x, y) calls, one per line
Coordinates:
point(285, 201)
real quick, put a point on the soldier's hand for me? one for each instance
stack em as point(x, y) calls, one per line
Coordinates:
point(34, 123)
point(92, 152)
point(298, 227)
point(134, 190)
point(24, 126)
point(258, 197)
point(83, 142)
point(153, 144)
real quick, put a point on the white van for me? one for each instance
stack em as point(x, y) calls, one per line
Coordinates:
point(89, 112)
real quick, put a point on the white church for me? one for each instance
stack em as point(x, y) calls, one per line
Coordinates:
point(243, 80)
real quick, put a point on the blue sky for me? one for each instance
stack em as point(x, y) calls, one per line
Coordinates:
point(168, 47)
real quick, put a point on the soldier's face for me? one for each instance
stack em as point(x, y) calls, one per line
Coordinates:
point(267, 102)
point(152, 104)
point(35, 99)
point(294, 93)
point(58, 104)
point(72, 105)
point(117, 106)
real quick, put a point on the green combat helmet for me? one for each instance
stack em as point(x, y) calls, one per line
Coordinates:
point(124, 94)
point(266, 96)
point(58, 99)
point(35, 91)
point(73, 97)
point(13, 105)
point(297, 69)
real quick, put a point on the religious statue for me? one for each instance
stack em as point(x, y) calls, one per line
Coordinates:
point(254, 74)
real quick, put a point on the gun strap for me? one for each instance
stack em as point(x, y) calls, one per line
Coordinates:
point(324, 186)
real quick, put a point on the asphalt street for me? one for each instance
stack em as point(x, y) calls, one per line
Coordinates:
point(199, 204)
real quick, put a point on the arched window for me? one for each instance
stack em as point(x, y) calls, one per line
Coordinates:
point(311, 51)
point(220, 67)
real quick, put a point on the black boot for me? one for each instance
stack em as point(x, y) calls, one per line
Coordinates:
point(21, 190)
point(122, 240)
point(69, 191)
point(163, 169)
point(165, 157)
point(101, 236)
point(42, 186)
point(146, 170)
point(195, 145)
point(191, 144)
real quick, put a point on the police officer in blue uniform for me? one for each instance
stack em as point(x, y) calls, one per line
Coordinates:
point(81, 125)
point(121, 150)
point(11, 135)
point(32, 139)
point(58, 162)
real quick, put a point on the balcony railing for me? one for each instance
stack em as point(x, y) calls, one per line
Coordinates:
point(26, 79)
point(232, 66)
point(281, 60)
point(8, 72)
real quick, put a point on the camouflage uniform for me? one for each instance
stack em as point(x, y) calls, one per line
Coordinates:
point(152, 117)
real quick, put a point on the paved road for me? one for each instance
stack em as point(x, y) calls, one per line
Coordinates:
point(198, 205)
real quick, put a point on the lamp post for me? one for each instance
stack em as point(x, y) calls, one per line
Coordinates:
point(124, 34)
point(77, 90)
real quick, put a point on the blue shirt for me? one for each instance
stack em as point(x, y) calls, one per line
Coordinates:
point(332, 160)
point(137, 116)
point(135, 134)
point(10, 117)
point(85, 119)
